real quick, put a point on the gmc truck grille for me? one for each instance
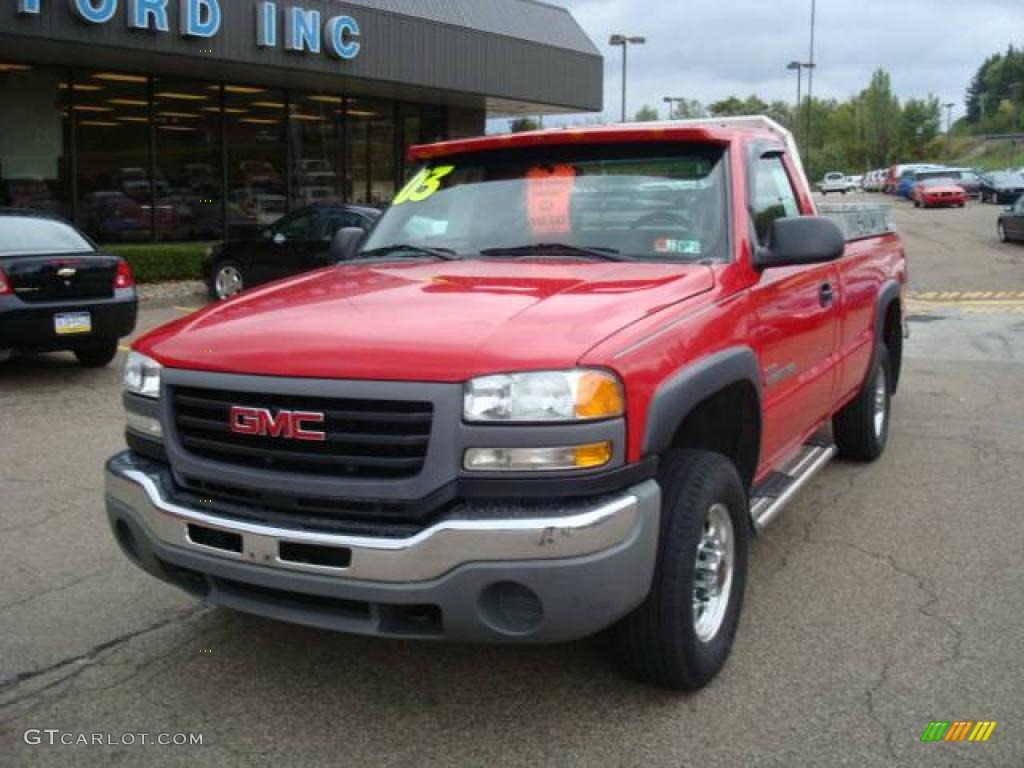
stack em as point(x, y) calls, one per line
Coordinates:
point(363, 438)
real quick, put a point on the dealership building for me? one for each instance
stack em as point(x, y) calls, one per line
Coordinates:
point(175, 120)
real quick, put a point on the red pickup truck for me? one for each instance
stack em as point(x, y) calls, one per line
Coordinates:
point(554, 391)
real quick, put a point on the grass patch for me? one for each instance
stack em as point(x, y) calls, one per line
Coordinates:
point(159, 262)
point(995, 155)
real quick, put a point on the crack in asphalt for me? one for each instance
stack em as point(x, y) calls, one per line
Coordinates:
point(79, 663)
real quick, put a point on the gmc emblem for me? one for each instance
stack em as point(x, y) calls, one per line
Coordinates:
point(290, 425)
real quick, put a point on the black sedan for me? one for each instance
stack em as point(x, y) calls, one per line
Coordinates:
point(58, 292)
point(1001, 187)
point(1011, 222)
point(298, 242)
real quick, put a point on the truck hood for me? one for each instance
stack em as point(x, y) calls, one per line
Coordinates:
point(424, 321)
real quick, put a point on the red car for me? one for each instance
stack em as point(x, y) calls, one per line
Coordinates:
point(554, 391)
point(929, 193)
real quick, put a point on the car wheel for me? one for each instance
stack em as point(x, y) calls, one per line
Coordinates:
point(97, 356)
point(861, 428)
point(1001, 230)
point(682, 634)
point(226, 279)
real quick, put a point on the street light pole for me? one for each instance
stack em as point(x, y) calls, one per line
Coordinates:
point(625, 41)
point(670, 100)
point(1015, 95)
point(810, 81)
point(949, 124)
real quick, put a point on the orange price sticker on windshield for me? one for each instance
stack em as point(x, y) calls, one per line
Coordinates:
point(548, 196)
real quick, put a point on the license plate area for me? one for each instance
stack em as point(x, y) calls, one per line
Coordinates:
point(67, 323)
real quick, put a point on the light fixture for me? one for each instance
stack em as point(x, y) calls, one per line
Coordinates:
point(226, 110)
point(100, 123)
point(325, 99)
point(258, 120)
point(176, 128)
point(181, 96)
point(132, 119)
point(129, 102)
point(80, 87)
point(361, 113)
point(239, 89)
point(118, 77)
point(269, 104)
point(186, 115)
point(307, 118)
point(13, 67)
point(91, 108)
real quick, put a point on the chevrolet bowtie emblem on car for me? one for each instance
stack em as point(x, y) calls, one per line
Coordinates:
point(289, 425)
point(67, 272)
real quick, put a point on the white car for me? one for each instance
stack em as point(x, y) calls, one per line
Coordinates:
point(834, 182)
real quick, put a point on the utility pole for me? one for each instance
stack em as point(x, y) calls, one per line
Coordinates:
point(625, 41)
point(799, 66)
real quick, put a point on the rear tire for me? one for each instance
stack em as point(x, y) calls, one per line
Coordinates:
point(681, 635)
point(1001, 230)
point(861, 428)
point(97, 356)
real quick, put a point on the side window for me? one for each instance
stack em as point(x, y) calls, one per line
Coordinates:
point(297, 227)
point(773, 196)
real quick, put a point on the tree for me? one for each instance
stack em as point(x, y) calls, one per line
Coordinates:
point(521, 124)
point(881, 118)
point(920, 124)
point(687, 109)
point(646, 114)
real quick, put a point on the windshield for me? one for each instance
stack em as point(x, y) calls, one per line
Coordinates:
point(29, 234)
point(655, 202)
point(937, 181)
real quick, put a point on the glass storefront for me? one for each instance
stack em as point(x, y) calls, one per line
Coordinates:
point(136, 158)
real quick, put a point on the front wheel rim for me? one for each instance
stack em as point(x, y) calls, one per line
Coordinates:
point(1002, 232)
point(228, 282)
point(881, 400)
point(713, 573)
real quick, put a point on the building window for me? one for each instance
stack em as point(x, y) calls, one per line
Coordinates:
point(189, 189)
point(34, 139)
point(314, 141)
point(371, 151)
point(256, 158)
point(111, 115)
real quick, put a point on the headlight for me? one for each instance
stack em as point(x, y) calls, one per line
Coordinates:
point(576, 395)
point(588, 456)
point(142, 375)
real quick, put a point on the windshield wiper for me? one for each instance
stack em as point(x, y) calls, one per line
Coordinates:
point(413, 250)
point(557, 249)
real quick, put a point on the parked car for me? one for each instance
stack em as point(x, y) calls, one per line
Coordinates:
point(295, 243)
point(911, 176)
point(855, 182)
point(834, 182)
point(523, 425)
point(1001, 187)
point(932, 192)
point(897, 172)
point(58, 292)
point(874, 179)
point(967, 178)
point(1011, 222)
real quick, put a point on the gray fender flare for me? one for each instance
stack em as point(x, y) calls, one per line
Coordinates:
point(692, 384)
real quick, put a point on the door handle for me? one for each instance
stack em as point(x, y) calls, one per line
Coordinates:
point(826, 295)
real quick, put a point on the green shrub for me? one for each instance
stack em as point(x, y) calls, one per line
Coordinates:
point(157, 262)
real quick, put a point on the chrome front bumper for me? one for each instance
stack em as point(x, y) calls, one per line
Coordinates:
point(429, 554)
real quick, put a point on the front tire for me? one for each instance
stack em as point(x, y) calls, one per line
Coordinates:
point(681, 635)
point(1001, 231)
point(861, 428)
point(227, 279)
point(97, 356)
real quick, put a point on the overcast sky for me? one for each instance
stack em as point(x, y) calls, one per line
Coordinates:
point(710, 49)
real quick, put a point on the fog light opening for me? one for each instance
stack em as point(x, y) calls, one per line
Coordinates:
point(511, 608)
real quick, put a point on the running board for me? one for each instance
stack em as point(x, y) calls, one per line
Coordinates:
point(772, 494)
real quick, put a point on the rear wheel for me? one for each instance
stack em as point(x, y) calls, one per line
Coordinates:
point(683, 632)
point(1001, 229)
point(861, 428)
point(97, 356)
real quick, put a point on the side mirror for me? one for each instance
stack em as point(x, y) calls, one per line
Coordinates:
point(800, 240)
point(345, 244)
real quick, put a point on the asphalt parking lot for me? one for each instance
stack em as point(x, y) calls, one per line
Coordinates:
point(885, 597)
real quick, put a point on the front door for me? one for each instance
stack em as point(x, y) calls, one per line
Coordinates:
point(796, 324)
